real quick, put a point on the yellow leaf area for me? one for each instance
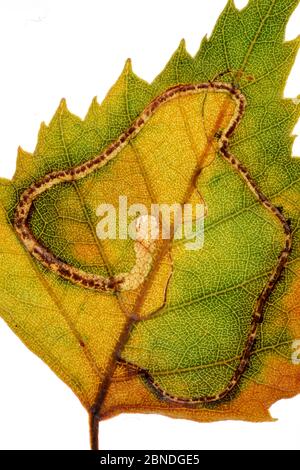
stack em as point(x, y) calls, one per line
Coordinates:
point(80, 332)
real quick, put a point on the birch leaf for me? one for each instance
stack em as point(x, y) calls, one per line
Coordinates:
point(148, 325)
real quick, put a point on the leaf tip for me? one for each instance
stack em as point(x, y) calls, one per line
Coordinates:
point(231, 5)
point(21, 152)
point(62, 105)
point(128, 66)
point(182, 45)
point(182, 50)
point(94, 107)
point(95, 101)
point(43, 126)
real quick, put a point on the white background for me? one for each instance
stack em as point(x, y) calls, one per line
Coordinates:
point(76, 49)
